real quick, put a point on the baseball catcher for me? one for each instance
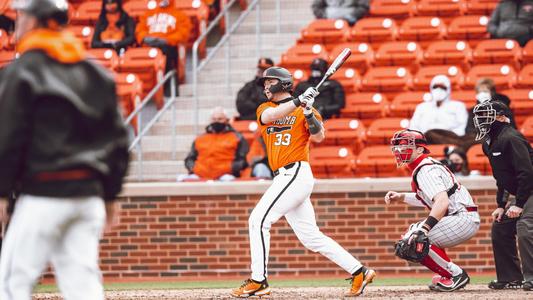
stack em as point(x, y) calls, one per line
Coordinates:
point(453, 217)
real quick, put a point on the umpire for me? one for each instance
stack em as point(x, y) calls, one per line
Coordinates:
point(63, 146)
point(511, 158)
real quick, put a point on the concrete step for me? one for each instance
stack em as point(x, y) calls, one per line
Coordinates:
point(163, 170)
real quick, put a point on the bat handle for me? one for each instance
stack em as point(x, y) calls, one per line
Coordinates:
point(321, 82)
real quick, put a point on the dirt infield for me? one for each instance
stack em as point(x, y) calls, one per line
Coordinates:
point(472, 292)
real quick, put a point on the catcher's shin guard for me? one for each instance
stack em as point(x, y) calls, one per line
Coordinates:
point(437, 261)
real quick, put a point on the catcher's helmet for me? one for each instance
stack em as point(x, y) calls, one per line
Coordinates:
point(485, 115)
point(281, 74)
point(44, 9)
point(404, 144)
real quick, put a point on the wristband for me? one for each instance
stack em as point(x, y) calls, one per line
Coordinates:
point(313, 123)
point(430, 223)
point(296, 101)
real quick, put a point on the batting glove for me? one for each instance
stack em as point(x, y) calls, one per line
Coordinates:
point(307, 99)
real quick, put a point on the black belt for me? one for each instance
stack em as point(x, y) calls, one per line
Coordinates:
point(286, 167)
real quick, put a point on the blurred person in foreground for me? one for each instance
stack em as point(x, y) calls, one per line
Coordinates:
point(219, 153)
point(64, 147)
point(251, 95)
point(115, 29)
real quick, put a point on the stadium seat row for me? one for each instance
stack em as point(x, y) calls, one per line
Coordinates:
point(378, 30)
point(405, 8)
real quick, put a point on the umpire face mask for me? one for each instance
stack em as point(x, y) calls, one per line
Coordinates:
point(484, 117)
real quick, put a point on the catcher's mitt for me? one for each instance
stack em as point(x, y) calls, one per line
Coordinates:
point(416, 251)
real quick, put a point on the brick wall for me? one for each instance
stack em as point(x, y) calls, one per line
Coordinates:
point(187, 236)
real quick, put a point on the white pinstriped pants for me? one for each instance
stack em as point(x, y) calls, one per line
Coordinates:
point(289, 196)
point(64, 232)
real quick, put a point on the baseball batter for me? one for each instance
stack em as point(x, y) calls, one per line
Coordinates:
point(453, 217)
point(287, 130)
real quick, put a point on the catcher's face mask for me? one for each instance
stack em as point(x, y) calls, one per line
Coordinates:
point(484, 117)
point(403, 147)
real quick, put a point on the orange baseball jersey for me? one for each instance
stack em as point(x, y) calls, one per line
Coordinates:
point(286, 139)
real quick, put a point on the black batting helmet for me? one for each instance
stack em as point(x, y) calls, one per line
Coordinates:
point(44, 9)
point(281, 74)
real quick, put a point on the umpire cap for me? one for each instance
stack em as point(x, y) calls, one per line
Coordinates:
point(44, 9)
point(281, 74)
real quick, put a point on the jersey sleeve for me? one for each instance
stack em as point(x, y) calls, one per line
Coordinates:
point(433, 180)
point(260, 111)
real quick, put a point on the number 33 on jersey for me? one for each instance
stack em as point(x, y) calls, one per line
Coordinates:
point(286, 139)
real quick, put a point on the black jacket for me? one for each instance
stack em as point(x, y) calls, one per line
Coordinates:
point(7, 24)
point(126, 23)
point(471, 129)
point(513, 20)
point(349, 10)
point(331, 99)
point(511, 158)
point(249, 98)
point(58, 118)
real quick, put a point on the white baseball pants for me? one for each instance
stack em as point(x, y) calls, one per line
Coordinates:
point(64, 232)
point(289, 196)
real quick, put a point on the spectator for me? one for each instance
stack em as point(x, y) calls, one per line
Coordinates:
point(218, 154)
point(251, 95)
point(486, 91)
point(258, 160)
point(331, 99)
point(164, 27)
point(456, 161)
point(349, 10)
point(512, 20)
point(114, 29)
point(7, 24)
point(440, 118)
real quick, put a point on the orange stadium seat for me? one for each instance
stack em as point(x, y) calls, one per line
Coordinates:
point(404, 104)
point(441, 8)
point(377, 161)
point(391, 8)
point(148, 64)
point(527, 53)
point(106, 57)
point(479, 7)
point(447, 52)
point(6, 57)
point(84, 33)
point(503, 75)
point(437, 151)
point(381, 130)
point(423, 77)
point(468, 97)
point(521, 101)
point(361, 58)
point(247, 128)
point(198, 12)
point(468, 28)
point(345, 132)
point(325, 31)
point(497, 51)
point(332, 162)
point(136, 8)
point(129, 90)
point(422, 29)
point(348, 78)
point(301, 56)
point(398, 54)
point(477, 160)
point(374, 30)
point(299, 75)
point(525, 77)
point(527, 129)
point(386, 79)
point(87, 13)
point(365, 106)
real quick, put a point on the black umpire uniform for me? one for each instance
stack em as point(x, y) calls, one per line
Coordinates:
point(511, 158)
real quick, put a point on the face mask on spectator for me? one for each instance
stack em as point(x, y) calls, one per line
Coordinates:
point(218, 126)
point(456, 168)
point(316, 74)
point(438, 94)
point(483, 97)
point(164, 3)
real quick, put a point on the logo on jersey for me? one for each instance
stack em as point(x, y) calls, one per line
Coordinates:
point(288, 120)
point(160, 23)
point(271, 130)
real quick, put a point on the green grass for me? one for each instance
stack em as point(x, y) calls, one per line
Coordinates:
point(326, 282)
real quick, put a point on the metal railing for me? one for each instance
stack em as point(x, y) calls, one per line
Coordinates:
point(197, 66)
point(143, 130)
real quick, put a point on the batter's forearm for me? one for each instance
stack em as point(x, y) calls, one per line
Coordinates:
point(272, 114)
